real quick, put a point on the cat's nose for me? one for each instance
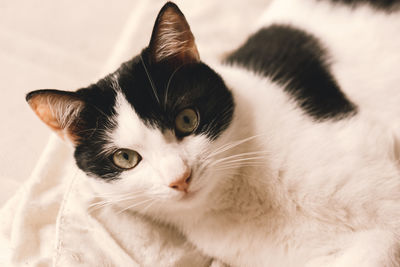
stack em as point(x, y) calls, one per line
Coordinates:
point(182, 183)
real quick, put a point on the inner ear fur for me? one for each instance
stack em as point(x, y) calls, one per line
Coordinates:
point(172, 38)
point(57, 109)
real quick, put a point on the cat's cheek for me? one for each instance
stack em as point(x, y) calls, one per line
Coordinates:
point(139, 179)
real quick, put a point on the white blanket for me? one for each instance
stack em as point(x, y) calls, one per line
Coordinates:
point(49, 221)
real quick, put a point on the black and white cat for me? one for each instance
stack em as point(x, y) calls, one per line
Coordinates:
point(285, 154)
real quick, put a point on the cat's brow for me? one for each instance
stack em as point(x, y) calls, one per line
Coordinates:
point(153, 87)
point(168, 84)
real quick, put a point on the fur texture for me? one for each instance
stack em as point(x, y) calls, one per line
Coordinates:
point(274, 181)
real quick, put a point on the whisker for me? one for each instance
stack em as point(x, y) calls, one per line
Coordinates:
point(231, 145)
point(232, 159)
point(94, 208)
point(239, 163)
point(168, 84)
point(219, 117)
point(237, 160)
point(106, 202)
point(236, 166)
point(135, 205)
point(111, 200)
point(103, 204)
point(238, 156)
point(153, 87)
point(115, 193)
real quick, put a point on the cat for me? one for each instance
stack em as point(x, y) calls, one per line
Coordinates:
point(286, 153)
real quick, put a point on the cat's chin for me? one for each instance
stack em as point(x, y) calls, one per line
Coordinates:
point(186, 197)
point(189, 196)
point(191, 199)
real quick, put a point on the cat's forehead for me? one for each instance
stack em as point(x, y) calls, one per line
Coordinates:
point(134, 83)
point(130, 131)
point(157, 94)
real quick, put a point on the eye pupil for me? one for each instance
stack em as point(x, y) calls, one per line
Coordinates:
point(186, 120)
point(125, 156)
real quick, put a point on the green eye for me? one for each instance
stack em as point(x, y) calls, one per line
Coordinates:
point(126, 158)
point(186, 121)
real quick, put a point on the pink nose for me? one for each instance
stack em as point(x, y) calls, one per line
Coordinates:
point(182, 183)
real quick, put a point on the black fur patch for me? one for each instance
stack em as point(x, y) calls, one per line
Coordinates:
point(94, 122)
point(295, 60)
point(387, 5)
point(192, 85)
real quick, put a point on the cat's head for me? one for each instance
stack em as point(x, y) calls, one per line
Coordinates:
point(145, 130)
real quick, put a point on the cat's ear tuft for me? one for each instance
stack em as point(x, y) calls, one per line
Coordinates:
point(171, 38)
point(57, 109)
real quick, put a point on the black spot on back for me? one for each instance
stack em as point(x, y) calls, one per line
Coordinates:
point(296, 61)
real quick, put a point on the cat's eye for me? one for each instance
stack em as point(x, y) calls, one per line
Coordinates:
point(186, 121)
point(126, 158)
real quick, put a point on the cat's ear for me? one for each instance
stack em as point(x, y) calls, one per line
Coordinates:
point(58, 109)
point(171, 38)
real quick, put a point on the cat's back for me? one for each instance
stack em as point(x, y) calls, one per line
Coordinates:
point(327, 100)
point(335, 58)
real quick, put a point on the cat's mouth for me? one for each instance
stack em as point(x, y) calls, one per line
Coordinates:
point(191, 192)
point(188, 196)
point(194, 188)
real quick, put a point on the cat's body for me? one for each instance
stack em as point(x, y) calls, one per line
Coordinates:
point(330, 193)
point(325, 183)
point(291, 175)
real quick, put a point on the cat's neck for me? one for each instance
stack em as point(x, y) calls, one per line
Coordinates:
point(258, 182)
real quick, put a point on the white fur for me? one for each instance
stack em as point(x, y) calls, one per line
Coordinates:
point(301, 193)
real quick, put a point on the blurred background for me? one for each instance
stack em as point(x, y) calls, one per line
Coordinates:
point(61, 44)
